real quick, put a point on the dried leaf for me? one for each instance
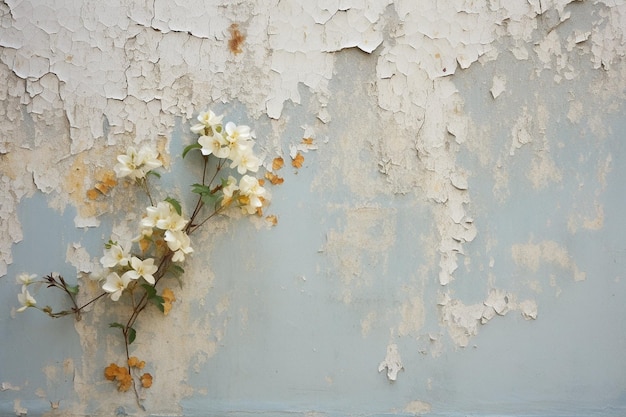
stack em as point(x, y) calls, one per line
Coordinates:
point(277, 163)
point(146, 380)
point(273, 178)
point(298, 160)
point(168, 295)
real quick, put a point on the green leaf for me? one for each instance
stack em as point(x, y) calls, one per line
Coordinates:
point(73, 289)
point(151, 172)
point(218, 201)
point(175, 204)
point(158, 301)
point(200, 189)
point(155, 299)
point(191, 147)
point(132, 334)
point(176, 269)
point(119, 325)
point(211, 199)
point(150, 290)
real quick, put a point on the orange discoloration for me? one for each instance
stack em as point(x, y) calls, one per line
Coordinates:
point(298, 161)
point(92, 194)
point(146, 380)
point(273, 178)
point(106, 182)
point(236, 39)
point(168, 299)
point(277, 163)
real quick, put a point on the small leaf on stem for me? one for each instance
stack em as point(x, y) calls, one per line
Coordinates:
point(132, 334)
point(191, 147)
point(175, 204)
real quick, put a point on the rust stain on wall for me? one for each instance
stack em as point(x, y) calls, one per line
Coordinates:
point(236, 39)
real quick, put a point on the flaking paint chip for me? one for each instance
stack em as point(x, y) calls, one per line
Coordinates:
point(498, 86)
point(392, 362)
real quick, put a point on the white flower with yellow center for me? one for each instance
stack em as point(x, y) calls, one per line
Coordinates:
point(116, 284)
point(114, 255)
point(136, 164)
point(253, 193)
point(215, 144)
point(143, 269)
point(25, 299)
point(208, 120)
point(179, 243)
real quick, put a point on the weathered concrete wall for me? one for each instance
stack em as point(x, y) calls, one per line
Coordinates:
point(452, 245)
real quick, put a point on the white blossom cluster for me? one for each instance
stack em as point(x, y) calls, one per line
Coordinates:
point(233, 143)
point(167, 222)
point(163, 228)
point(136, 164)
point(25, 298)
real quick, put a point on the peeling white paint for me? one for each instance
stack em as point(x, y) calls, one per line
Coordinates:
point(7, 386)
point(529, 309)
point(498, 86)
point(520, 132)
point(392, 362)
point(464, 321)
point(78, 257)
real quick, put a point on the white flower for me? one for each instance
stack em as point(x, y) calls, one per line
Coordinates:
point(26, 279)
point(230, 187)
point(164, 217)
point(245, 161)
point(208, 120)
point(115, 284)
point(179, 243)
point(215, 145)
point(155, 214)
point(174, 222)
point(114, 255)
point(236, 133)
point(253, 192)
point(25, 299)
point(143, 269)
point(148, 159)
point(137, 164)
